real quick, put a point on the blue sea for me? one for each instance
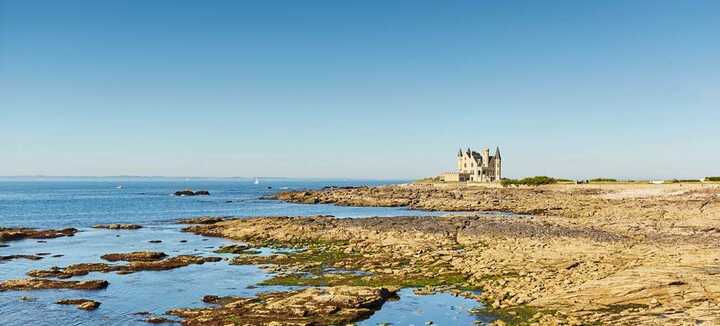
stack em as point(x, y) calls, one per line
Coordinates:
point(84, 202)
point(52, 202)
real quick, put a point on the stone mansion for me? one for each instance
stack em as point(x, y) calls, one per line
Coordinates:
point(476, 167)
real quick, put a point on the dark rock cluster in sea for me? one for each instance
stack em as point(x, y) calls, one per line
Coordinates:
point(118, 226)
point(190, 192)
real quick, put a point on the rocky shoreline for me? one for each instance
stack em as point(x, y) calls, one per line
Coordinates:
point(576, 255)
point(587, 254)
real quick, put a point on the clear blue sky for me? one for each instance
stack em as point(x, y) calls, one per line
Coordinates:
point(359, 89)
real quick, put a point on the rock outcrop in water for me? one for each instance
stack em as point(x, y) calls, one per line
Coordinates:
point(83, 304)
point(135, 256)
point(43, 284)
point(314, 306)
point(10, 234)
point(133, 266)
point(189, 192)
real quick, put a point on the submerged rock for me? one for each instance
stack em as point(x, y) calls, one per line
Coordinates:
point(236, 249)
point(118, 226)
point(202, 220)
point(159, 320)
point(322, 306)
point(41, 284)
point(12, 257)
point(84, 304)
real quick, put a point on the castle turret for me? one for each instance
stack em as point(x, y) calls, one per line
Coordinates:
point(485, 157)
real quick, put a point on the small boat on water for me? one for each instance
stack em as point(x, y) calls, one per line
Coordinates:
point(257, 181)
point(119, 187)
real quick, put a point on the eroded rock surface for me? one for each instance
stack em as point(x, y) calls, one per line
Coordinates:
point(621, 254)
point(314, 306)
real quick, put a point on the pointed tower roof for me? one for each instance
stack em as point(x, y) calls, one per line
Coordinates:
point(497, 152)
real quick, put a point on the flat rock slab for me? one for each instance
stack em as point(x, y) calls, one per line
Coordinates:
point(133, 266)
point(42, 284)
point(135, 256)
point(314, 306)
point(10, 234)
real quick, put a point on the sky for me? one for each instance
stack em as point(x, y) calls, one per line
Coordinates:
point(359, 89)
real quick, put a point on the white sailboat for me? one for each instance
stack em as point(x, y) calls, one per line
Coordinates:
point(257, 181)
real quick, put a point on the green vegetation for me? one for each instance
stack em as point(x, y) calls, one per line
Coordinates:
point(367, 280)
point(688, 180)
point(603, 180)
point(320, 260)
point(529, 181)
point(430, 180)
point(492, 277)
point(712, 178)
point(519, 315)
point(237, 249)
point(618, 308)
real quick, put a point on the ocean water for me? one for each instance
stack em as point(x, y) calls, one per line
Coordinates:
point(53, 203)
point(82, 203)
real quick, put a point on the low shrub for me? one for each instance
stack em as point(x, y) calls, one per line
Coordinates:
point(712, 178)
point(529, 181)
point(603, 180)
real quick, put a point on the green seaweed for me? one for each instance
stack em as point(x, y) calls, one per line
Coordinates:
point(515, 316)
